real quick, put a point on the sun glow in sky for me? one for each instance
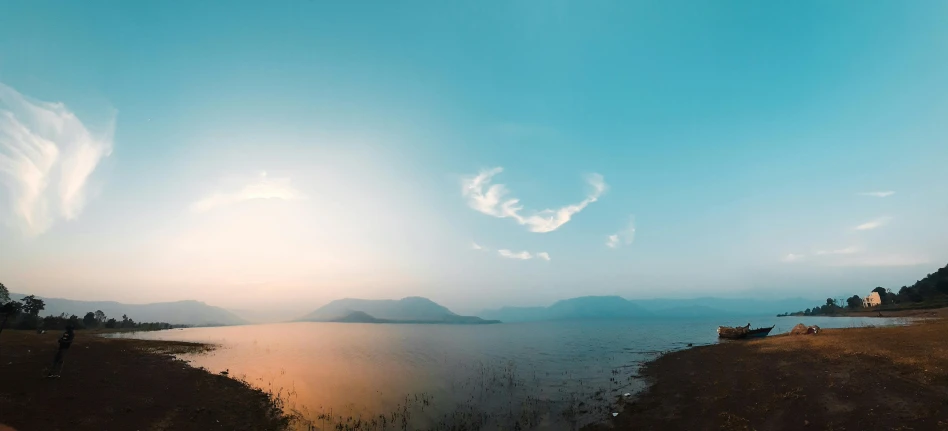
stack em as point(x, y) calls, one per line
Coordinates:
point(479, 154)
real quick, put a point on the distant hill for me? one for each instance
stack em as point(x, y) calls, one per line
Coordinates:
point(612, 307)
point(715, 307)
point(359, 317)
point(407, 310)
point(586, 307)
point(178, 313)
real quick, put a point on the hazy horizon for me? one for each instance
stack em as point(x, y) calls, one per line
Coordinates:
point(257, 156)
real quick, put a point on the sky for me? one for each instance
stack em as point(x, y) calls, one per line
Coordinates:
point(284, 154)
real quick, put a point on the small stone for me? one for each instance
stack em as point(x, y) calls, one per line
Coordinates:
point(805, 423)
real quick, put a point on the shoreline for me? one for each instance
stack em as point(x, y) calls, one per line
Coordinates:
point(907, 312)
point(893, 377)
point(828, 381)
point(122, 383)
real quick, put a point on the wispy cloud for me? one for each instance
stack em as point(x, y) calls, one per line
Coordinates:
point(46, 158)
point(476, 246)
point(791, 257)
point(262, 187)
point(612, 241)
point(624, 236)
point(874, 224)
point(854, 256)
point(882, 260)
point(884, 194)
point(847, 250)
point(491, 199)
point(523, 255)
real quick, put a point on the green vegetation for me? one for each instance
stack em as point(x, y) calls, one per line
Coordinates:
point(929, 292)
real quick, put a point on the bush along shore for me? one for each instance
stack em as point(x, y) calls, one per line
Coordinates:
point(841, 379)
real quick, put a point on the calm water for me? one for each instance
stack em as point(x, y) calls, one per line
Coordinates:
point(544, 375)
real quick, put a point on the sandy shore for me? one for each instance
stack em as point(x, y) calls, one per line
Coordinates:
point(842, 379)
point(120, 384)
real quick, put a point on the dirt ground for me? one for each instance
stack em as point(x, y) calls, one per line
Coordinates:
point(893, 378)
point(119, 384)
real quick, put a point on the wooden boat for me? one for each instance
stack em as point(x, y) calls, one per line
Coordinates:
point(759, 332)
point(741, 332)
point(733, 332)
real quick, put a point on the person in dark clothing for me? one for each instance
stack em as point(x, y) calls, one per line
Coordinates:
point(64, 342)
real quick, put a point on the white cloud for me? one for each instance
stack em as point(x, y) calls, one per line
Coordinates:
point(625, 236)
point(878, 194)
point(882, 260)
point(476, 246)
point(879, 222)
point(490, 199)
point(261, 188)
point(847, 250)
point(612, 241)
point(46, 158)
point(790, 257)
point(523, 255)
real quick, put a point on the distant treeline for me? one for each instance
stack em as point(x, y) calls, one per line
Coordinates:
point(931, 291)
point(24, 314)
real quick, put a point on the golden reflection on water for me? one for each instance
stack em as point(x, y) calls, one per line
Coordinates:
point(349, 368)
point(429, 372)
point(539, 375)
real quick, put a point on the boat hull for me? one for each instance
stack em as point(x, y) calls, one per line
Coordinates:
point(759, 332)
point(742, 332)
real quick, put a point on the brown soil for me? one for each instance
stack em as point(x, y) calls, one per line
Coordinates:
point(893, 378)
point(119, 384)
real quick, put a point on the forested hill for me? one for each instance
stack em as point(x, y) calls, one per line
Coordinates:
point(178, 313)
point(930, 291)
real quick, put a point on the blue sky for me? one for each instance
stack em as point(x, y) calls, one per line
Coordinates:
point(306, 151)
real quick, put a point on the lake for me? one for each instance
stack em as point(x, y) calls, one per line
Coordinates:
point(539, 375)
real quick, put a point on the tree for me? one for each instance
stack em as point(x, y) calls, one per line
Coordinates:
point(4, 294)
point(89, 320)
point(830, 307)
point(11, 308)
point(32, 305)
point(99, 316)
point(110, 323)
point(854, 302)
point(942, 286)
point(882, 294)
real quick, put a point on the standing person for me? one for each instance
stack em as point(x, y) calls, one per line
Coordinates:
point(64, 342)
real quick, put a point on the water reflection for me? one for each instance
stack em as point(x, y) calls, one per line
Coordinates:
point(549, 375)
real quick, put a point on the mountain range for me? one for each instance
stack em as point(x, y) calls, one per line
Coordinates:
point(612, 307)
point(412, 309)
point(177, 313)
point(423, 310)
